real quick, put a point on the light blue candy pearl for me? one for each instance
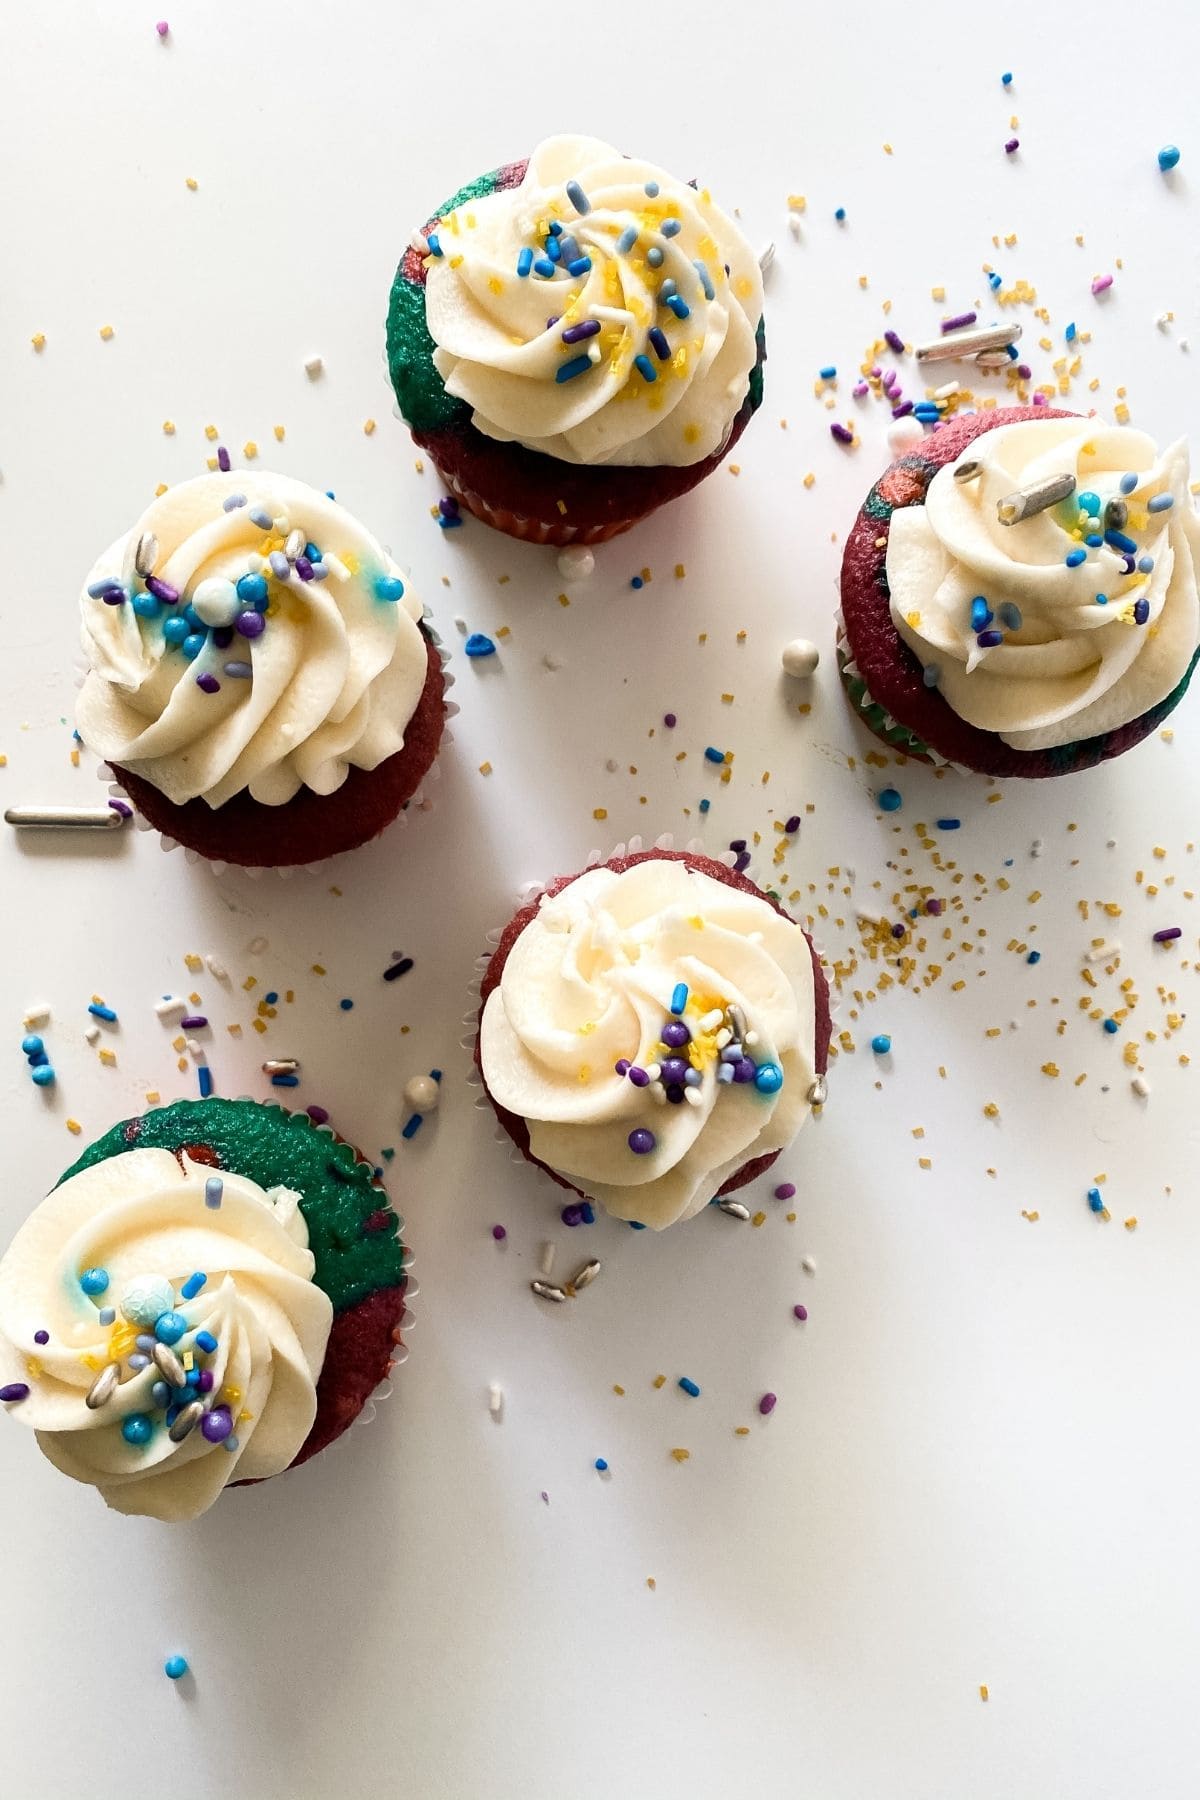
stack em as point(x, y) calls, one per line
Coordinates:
point(193, 644)
point(175, 630)
point(769, 1079)
point(146, 606)
point(389, 587)
point(160, 1393)
point(252, 591)
point(137, 1429)
point(175, 1668)
point(94, 1281)
point(43, 1076)
point(170, 1327)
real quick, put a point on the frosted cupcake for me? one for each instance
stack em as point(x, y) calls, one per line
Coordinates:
point(653, 1032)
point(261, 680)
point(576, 339)
point(1019, 594)
point(207, 1297)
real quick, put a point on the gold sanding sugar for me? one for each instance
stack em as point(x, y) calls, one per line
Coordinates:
point(681, 1456)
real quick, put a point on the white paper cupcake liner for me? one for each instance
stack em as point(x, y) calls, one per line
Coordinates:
point(851, 668)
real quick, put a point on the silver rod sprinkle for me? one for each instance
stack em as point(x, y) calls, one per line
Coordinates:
point(733, 1209)
point(585, 1276)
point(1028, 501)
point(146, 554)
point(546, 1290)
point(186, 1421)
point(64, 818)
point(281, 1065)
point(766, 257)
point(993, 361)
point(818, 1093)
point(958, 344)
point(967, 471)
point(168, 1364)
point(104, 1386)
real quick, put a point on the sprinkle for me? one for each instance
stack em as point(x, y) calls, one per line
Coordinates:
point(601, 1465)
point(14, 1391)
point(689, 1386)
point(411, 1127)
point(641, 1141)
point(958, 321)
point(1168, 934)
point(881, 1044)
point(94, 1281)
point(1160, 503)
point(1073, 558)
point(767, 1404)
point(205, 1080)
point(645, 367)
point(1013, 144)
point(679, 306)
point(889, 800)
point(658, 341)
point(713, 755)
point(396, 969)
point(313, 365)
point(679, 998)
point(586, 328)
point(479, 645)
point(106, 332)
point(1035, 956)
point(1100, 283)
point(175, 1668)
point(710, 292)
point(524, 261)
point(578, 198)
point(578, 365)
point(1168, 157)
point(1095, 1199)
point(192, 1286)
point(799, 1311)
point(671, 227)
point(843, 433)
point(840, 214)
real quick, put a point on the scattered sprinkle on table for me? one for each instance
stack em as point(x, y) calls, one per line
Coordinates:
point(175, 1668)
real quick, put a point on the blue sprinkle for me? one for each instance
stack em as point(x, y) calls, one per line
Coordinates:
point(627, 240)
point(192, 1286)
point(659, 344)
point(948, 824)
point(713, 755)
point(312, 553)
point(555, 228)
point(169, 1327)
point(1073, 558)
point(889, 800)
point(635, 1225)
point(1141, 611)
point(1095, 1199)
point(175, 1668)
point(637, 581)
point(679, 306)
point(645, 367)
point(389, 587)
point(543, 267)
point(252, 591)
point(839, 214)
point(1168, 156)
point(1111, 1026)
point(671, 227)
point(204, 1075)
point(193, 644)
point(994, 282)
point(981, 613)
point(214, 1188)
point(1035, 956)
point(175, 631)
point(988, 640)
point(479, 645)
point(110, 585)
point(689, 1387)
point(271, 998)
point(108, 1315)
point(705, 804)
point(346, 1005)
point(1101, 599)
point(435, 1074)
point(587, 1213)
point(1012, 353)
point(1006, 78)
point(99, 1011)
point(652, 189)
point(679, 998)
point(654, 257)
point(32, 1045)
point(553, 250)
point(435, 244)
point(261, 517)
point(1010, 615)
point(1128, 483)
point(578, 198)
point(38, 1059)
point(710, 292)
point(578, 365)
point(94, 1281)
point(232, 502)
point(288, 1081)
point(1070, 333)
point(44, 1076)
point(600, 1464)
point(412, 1126)
point(524, 262)
point(828, 373)
point(580, 266)
point(666, 288)
point(146, 606)
point(881, 1044)
point(206, 1341)
point(1160, 503)
point(1119, 541)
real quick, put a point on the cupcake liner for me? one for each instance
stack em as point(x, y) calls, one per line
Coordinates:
point(849, 671)
point(422, 801)
point(529, 892)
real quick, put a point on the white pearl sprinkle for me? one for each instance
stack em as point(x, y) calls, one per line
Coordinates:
point(576, 562)
point(800, 658)
point(421, 1094)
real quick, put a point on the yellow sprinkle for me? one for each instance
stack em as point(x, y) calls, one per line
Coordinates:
point(369, 427)
point(983, 1692)
point(485, 768)
point(160, 489)
point(108, 1058)
point(991, 1110)
point(1033, 1217)
point(74, 1127)
point(210, 432)
point(924, 1162)
point(279, 434)
point(681, 1456)
point(250, 450)
point(38, 340)
point(659, 1381)
point(600, 812)
point(617, 1388)
point(651, 1583)
point(1131, 1224)
point(153, 1097)
point(680, 571)
point(1051, 1069)
point(191, 182)
point(759, 1218)
point(106, 331)
point(495, 284)
point(796, 203)
point(937, 293)
point(809, 479)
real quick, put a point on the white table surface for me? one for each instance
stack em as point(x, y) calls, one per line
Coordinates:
point(983, 1464)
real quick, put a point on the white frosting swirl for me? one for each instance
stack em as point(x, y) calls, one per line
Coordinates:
point(337, 672)
point(143, 1214)
point(1072, 665)
point(496, 351)
point(589, 981)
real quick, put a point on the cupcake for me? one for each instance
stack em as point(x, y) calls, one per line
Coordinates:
point(653, 1032)
point(206, 1298)
point(576, 339)
point(1019, 593)
point(260, 680)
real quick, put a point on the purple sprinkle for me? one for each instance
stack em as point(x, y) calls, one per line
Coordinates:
point(897, 931)
point(1024, 371)
point(934, 908)
point(207, 1381)
point(959, 319)
point(572, 1215)
point(638, 1076)
point(162, 590)
point(799, 1311)
point(1168, 934)
point(222, 459)
point(14, 1391)
point(207, 683)
point(744, 1069)
point(222, 637)
point(792, 825)
point(304, 568)
point(894, 341)
point(860, 389)
point(622, 1065)
point(1012, 144)
point(317, 1114)
point(41, 1337)
point(890, 379)
point(1039, 400)
point(448, 506)
point(842, 433)
point(250, 624)
point(499, 1233)
point(193, 1022)
point(737, 845)
point(785, 1191)
point(742, 863)
point(239, 671)
point(767, 1404)
point(902, 411)
point(398, 968)
point(575, 334)
point(121, 807)
point(670, 721)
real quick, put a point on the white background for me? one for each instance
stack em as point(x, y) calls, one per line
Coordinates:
point(983, 1464)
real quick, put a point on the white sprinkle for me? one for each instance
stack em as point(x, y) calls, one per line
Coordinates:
point(693, 1096)
point(809, 1265)
point(92, 1034)
point(170, 1005)
point(216, 969)
point(1102, 952)
point(944, 393)
point(766, 257)
point(724, 1036)
point(313, 366)
point(576, 562)
point(794, 224)
point(195, 1049)
point(546, 1255)
point(1163, 321)
point(495, 1400)
point(711, 1020)
point(257, 945)
point(614, 315)
point(37, 1015)
point(1140, 1086)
